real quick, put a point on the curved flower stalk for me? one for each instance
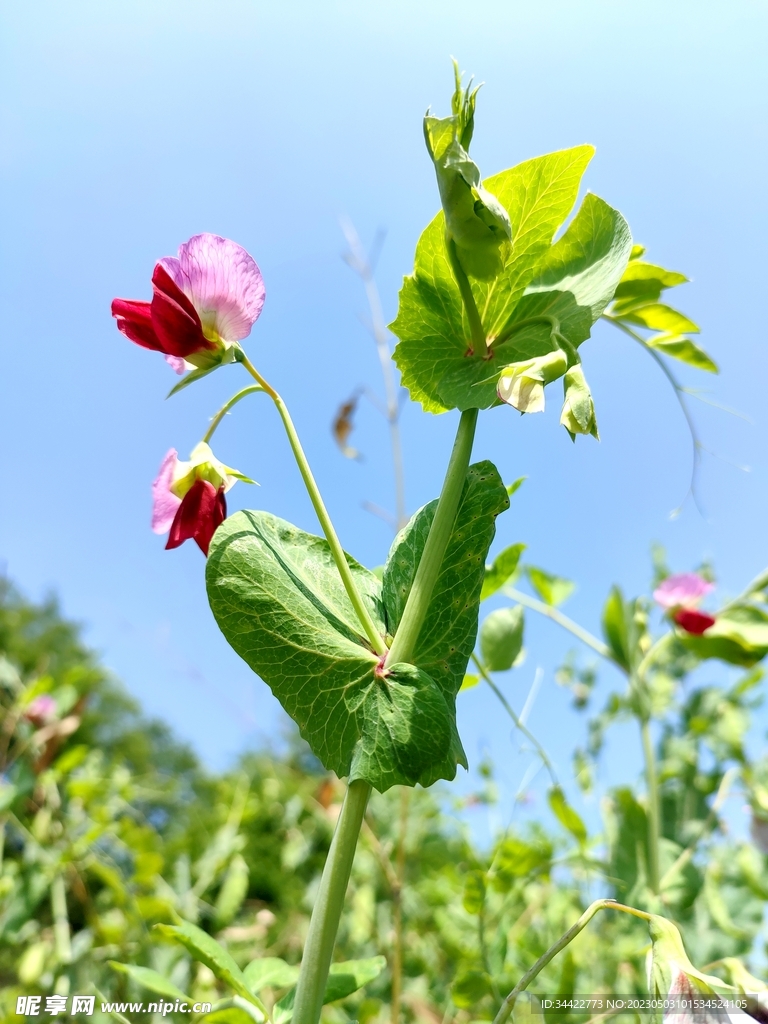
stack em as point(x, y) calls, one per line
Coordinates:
point(188, 500)
point(205, 301)
point(680, 596)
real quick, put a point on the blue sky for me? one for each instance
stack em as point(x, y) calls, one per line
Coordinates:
point(130, 126)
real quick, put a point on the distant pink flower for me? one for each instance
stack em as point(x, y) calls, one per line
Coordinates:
point(684, 590)
point(41, 710)
point(205, 300)
point(679, 595)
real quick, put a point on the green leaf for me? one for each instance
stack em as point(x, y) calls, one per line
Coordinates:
point(572, 280)
point(644, 282)
point(474, 892)
point(502, 569)
point(236, 1014)
point(552, 590)
point(566, 815)
point(516, 858)
point(470, 987)
point(151, 980)
point(343, 979)
point(207, 950)
point(616, 628)
point(516, 485)
point(269, 972)
point(351, 975)
point(233, 891)
point(739, 637)
point(190, 378)
point(448, 635)
point(501, 638)
point(278, 599)
point(682, 348)
point(407, 728)
point(468, 682)
point(657, 317)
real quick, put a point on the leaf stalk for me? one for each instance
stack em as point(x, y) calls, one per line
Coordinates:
point(375, 638)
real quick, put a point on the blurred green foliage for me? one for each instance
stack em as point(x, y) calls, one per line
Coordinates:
point(111, 827)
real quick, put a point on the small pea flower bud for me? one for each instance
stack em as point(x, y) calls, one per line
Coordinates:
point(578, 415)
point(521, 385)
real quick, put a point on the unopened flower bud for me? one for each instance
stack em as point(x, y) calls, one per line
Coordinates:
point(521, 385)
point(578, 415)
point(671, 973)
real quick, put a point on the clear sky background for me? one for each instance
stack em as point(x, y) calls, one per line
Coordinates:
point(130, 125)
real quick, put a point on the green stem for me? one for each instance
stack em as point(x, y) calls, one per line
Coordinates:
point(509, 1003)
point(479, 345)
point(518, 724)
point(530, 321)
point(562, 620)
point(326, 912)
point(375, 638)
point(226, 407)
point(652, 782)
point(61, 930)
point(416, 606)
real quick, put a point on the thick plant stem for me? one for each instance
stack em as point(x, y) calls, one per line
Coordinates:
point(509, 1003)
point(326, 912)
point(652, 782)
point(375, 638)
point(424, 581)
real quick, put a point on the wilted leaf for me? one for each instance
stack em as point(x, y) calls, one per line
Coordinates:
point(342, 426)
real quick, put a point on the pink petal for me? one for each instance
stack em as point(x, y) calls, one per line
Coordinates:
point(164, 502)
point(223, 282)
point(682, 591)
point(178, 364)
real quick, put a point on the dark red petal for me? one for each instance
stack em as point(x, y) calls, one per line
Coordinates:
point(174, 318)
point(692, 621)
point(201, 511)
point(134, 319)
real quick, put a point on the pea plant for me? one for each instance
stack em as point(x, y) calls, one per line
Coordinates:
point(369, 665)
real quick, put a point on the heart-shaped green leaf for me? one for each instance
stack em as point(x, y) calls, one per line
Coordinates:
point(279, 600)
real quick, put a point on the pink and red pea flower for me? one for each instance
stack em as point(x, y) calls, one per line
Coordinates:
point(680, 594)
point(204, 302)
